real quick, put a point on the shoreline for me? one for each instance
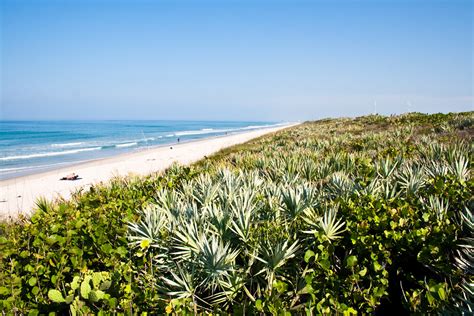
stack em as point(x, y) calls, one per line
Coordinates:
point(70, 164)
point(18, 195)
point(24, 171)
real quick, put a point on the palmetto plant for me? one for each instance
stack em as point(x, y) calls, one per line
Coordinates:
point(240, 231)
point(220, 219)
point(431, 150)
point(373, 188)
point(181, 285)
point(438, 206)
point(290, 164)
point(386, 167)
point(205, 191)
point(460, 168)
point(389, 190)
point(295, 200)
point(148, 231)
point(186, 241)
point(464, 260)
point(255, 230)
point(309, 170)
point(411, 178)
point(274, 257)
point(436, 168)
point(243, 215)
point(217, 261)
point(331, 226)
point(340, 184)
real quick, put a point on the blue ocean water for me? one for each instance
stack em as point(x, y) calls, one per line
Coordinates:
point(28, 147)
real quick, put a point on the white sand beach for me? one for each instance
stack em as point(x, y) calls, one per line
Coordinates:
point(18, 195)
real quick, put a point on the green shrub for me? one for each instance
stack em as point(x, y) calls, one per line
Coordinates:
point(365, 215)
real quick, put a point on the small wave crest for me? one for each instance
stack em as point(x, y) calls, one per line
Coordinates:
point(13, 169)
point(262, 126)
point(10, 170)
point(126, 145)
point(212, 131)
point(49, 154)
point(198, 132)
point(67, 144)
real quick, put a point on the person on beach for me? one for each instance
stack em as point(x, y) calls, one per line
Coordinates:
point(71, 176)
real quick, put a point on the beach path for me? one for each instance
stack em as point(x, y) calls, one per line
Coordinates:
point(18, 195)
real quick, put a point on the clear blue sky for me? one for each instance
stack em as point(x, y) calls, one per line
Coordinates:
point(234, 60)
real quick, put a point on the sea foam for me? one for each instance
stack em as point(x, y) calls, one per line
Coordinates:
point(49, 154)
point(126, 145)
point(67, 144)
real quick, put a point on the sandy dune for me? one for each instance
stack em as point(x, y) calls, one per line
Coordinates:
point(18, 195)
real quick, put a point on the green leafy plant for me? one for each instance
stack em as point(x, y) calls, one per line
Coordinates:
point(338, 216)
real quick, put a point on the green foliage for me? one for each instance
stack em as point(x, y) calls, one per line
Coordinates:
point(65, 239)
point(365, 215)
point(86, 293)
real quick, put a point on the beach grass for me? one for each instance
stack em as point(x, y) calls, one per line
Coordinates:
point(352, 215)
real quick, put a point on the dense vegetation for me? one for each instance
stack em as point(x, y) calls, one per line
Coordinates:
point(364, 215)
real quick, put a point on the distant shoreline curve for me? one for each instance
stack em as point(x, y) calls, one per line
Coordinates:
point(18, 195)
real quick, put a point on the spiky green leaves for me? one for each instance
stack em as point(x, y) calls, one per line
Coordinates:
point(148, 231)
point(331, 226)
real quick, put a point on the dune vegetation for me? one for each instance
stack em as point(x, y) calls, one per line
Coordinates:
point(337, 216)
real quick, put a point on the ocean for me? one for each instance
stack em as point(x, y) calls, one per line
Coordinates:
point(28, 147)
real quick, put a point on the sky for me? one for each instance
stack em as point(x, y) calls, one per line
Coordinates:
point(234, 60)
